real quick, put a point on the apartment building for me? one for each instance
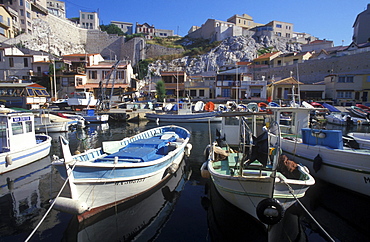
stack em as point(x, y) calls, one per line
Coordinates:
point(89, 20)
point(56, 8)
point(361, 27)
point(6, 23)
point(127, 28)
point(244, 21)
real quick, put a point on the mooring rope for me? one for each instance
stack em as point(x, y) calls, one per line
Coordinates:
point(305, 209)
point(51, 206)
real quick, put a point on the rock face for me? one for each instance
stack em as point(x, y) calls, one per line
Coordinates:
point(231, 50)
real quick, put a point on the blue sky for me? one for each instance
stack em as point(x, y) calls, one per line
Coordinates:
point(325, 19)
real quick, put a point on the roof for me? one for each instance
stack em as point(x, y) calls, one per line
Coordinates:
point(77, 55)
point(106, 66)
point(11, 84)
point(96, 85)
point(286, 81)
point(267, 55)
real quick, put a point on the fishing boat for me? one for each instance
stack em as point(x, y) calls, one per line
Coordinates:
point(364, 107)
point(90, 116)
point(119, 170)
point(48, 123)
point(81, 100)
point(357, 111)
point(182, 113)
point(20, 145)
point(362, 139)
point(322, 151)
point(339, 118)
point(252, 175)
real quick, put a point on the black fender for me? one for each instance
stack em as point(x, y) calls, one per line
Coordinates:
point(270, 203)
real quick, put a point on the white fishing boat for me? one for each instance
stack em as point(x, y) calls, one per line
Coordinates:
point(91, 116)
point(120, 170)
point(20, 145)
point(362, 139)
point(183, 113)
point(339, 118)
point(253, 176)
point(322, 151)
point(50, 123)
point(81, 100)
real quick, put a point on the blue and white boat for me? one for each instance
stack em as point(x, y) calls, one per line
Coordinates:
point(19, 143)
point(120, 170)
point(183, 114)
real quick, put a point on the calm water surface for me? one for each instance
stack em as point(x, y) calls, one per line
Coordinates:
point(184, 208)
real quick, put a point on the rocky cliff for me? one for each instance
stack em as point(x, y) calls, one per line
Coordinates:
point(231, 50)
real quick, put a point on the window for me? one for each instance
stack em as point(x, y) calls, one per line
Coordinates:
point(350, 79)
point(201, 93)
point(11, 62)
point(20, 2)
point(344, 94)
point(193, 93)
point(25, 61)
point(28, 126)
point(30, 92)
point(28, 14)
point(279, 26)
point(17, 128)
point(90, 16)
point(278, 33)
point(21, 11)
point(28, 6)
point(93, 75)
point(83, 16)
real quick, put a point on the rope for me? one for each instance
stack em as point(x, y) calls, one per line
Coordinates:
point(51, 206)
point(305, 209)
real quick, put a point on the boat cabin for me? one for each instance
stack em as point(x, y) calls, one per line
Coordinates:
point(16, 131)
point(23, 95)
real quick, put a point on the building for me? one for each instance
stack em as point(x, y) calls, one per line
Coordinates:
point(216, 30)
point(348, 89)
point(361, 27)
point(266, 59)
point(15, 65)
point(56, 8)
point(146, 29)
point(89, 20)
point(174, 82)
point(291, 58)
point(163, 33)
point(281, 29)
point(77, 62)
point(317, 45)
point(127, 28)
point(6, 23)
point(244, 21)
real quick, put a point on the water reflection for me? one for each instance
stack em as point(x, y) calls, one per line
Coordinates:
point(139, 219)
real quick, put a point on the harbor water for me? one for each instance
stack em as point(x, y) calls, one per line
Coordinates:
point(184, 208)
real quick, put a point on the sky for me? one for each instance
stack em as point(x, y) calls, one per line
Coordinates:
point(324, 19)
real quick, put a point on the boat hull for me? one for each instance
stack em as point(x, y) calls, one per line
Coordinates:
point(111, 178)
point(247, 192)
point(23, 157)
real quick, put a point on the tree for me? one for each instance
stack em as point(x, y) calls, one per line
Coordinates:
point(161, 91)
point(111, 29)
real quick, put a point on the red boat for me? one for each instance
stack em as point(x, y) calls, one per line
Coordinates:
point(362, 106)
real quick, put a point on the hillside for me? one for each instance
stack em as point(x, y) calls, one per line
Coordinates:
point(199, 56)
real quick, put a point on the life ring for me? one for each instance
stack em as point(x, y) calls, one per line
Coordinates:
point(270, 211)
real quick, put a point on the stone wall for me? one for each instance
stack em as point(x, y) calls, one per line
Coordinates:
point(312, 71)
point(153, 51)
